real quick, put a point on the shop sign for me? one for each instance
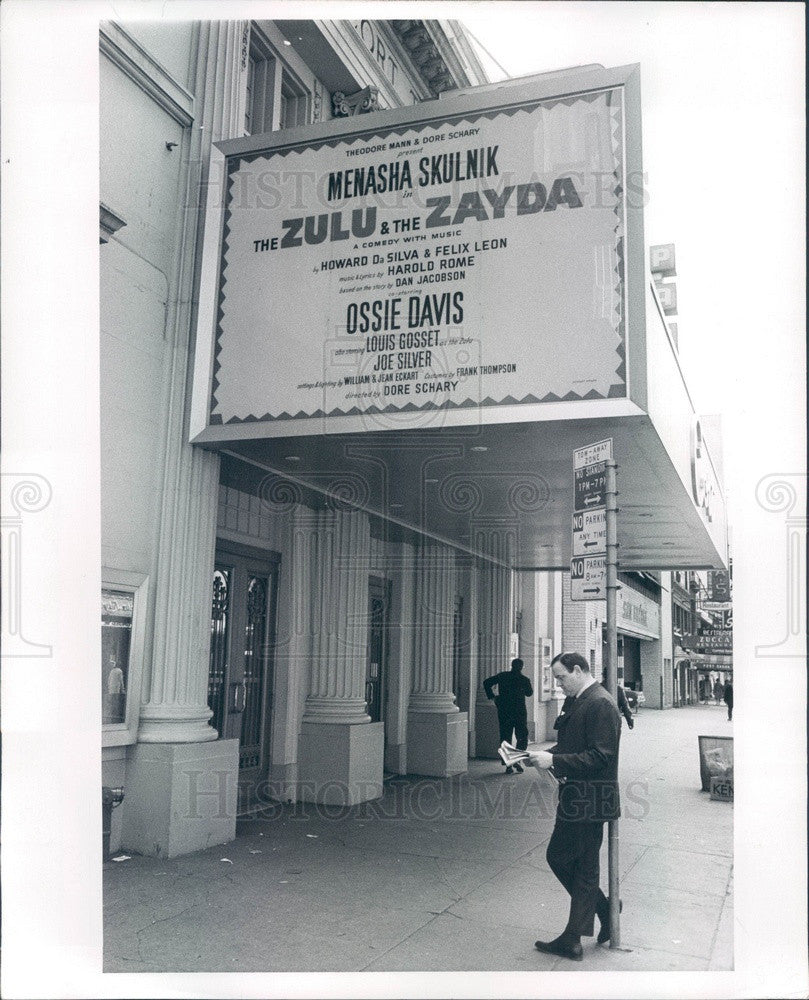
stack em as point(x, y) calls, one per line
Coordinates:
point(719, 595)
point(712, 640)
point(417, 260)
point(717, 640)
point(662, 260)
point(705, 489)
point(637, 614)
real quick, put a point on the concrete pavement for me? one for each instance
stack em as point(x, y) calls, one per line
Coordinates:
point(442, 875)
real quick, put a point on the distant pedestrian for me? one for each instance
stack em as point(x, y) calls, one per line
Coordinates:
point(623, 703)
point(729, 699)
point(512, 715)
point(719, 691)
point(585, 762)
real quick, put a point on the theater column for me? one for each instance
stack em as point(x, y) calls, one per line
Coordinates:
point(341, 750)
point(181, 781)
point(495, 600)
point(436, 730)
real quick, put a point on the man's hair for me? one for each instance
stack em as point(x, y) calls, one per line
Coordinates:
point(516, 663)
point(571, 660)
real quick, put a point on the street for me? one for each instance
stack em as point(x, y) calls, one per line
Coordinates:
point(442, 875)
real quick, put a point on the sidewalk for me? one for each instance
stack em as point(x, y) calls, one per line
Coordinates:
point(442, 875)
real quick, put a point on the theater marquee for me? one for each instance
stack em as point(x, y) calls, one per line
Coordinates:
point(463, 254)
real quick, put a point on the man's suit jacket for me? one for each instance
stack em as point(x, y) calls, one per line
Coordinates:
point(585, 758)
point(513, 688)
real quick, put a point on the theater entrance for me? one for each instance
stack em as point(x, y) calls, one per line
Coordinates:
point(376, 659)
point(243, 609)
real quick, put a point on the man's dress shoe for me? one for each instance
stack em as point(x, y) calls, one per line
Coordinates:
point(562, 947)
point(605, 933)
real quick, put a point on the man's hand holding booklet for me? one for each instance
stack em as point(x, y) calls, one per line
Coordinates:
point(533, 755)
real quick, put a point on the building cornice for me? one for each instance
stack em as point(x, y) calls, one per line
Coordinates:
point(431, 54)
point(132, 59)
point(108, 223)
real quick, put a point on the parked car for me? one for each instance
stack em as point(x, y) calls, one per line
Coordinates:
point(635, 698)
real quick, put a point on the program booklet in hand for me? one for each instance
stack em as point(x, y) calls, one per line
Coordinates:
point(510, 755)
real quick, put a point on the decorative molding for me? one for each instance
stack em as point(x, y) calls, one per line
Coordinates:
point(358, 60)
point(108, 224)
point(347, 105)
point(245, 52)
point(317, 102)
point(133, 60)
point(425, 55)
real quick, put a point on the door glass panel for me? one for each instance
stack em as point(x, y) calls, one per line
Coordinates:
point(116, 635)
point(376, 652)
point(255, 658)
point(457, 641)
point(220, 621)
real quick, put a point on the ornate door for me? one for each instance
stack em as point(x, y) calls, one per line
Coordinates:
point(240, 671)
point(375, 692)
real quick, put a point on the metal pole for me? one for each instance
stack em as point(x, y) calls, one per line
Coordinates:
point(612, 683)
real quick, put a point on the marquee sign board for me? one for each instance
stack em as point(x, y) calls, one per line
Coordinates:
point(380, 264)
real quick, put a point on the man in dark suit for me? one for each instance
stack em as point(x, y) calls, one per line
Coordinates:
point(512, 715)
point(585, 762)
point(623, 702)
point(728, 695)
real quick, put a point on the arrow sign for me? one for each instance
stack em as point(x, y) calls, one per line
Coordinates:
point(590, 486)
point(588, 578)
point(589, 532)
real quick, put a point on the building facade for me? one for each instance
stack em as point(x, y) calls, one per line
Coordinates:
point(210, 561)
point(271, 629)
point(702, 631)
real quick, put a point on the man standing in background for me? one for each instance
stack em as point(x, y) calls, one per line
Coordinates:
point(728, 696)
point(512, 715)
point(622, 700)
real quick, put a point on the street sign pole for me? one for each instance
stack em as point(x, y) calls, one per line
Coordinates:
point(612, 682)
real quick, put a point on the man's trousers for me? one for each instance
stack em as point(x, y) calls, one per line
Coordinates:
point(515, 722)
point(573, 858)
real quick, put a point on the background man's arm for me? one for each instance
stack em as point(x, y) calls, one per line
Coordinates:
point(623, 706)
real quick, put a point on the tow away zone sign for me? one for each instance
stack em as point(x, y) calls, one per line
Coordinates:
point(590, 454)
point(588, 578)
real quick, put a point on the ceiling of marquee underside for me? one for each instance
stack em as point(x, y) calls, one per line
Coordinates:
point(458, 483)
